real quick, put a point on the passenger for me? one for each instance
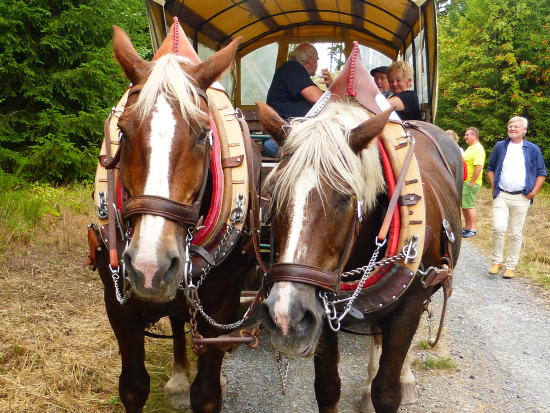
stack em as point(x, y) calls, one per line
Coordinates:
point(400, 76)
point(381, 80)
point(292, 92)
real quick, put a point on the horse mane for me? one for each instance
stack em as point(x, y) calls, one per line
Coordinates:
point(321, 143)
point(168, 78)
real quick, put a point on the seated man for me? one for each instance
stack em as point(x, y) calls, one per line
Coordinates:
point(400, 76)
point(292, 92)
point(381, 80)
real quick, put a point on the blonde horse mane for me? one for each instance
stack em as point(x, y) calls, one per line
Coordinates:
point(168, 78)
point(321, 143)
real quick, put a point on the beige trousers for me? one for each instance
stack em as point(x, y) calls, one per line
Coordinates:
point(509, 211)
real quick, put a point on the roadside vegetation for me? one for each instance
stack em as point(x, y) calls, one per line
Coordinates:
point(57, 349)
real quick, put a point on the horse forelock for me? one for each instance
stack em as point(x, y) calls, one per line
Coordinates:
point(168, 78)
point(322, 145)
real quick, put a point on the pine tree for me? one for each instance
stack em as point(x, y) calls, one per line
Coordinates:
point(59, 79)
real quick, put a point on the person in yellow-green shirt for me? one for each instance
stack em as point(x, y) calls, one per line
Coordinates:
point(474, 157)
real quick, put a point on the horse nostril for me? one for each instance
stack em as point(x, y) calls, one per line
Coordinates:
point(173, 269)
point(307, 322)
point(267, 320)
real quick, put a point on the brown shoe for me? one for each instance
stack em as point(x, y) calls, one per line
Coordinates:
point(508, 273)
point(495, 268)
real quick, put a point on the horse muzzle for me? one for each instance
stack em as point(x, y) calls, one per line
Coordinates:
point(154, 278)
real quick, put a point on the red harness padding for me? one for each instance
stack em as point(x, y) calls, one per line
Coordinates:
point(394, 227)
point(217, 183)
point(465, 168)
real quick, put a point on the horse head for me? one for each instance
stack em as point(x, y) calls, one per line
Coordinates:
point(164, 157)
point(328, 166)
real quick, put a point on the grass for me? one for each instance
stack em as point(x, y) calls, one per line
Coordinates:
point(444, 363)
point(424, 345)
point(57, 350)
point(534, 262)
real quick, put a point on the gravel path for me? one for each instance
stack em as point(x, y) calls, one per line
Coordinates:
point(496, 331)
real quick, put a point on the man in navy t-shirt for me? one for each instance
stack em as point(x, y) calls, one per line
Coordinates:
point(292, 92)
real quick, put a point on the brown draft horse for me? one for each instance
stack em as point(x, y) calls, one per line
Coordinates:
point(329, 163)
point(164, 152)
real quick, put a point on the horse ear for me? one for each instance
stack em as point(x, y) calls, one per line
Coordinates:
point(272, 123)
point(207, 72)
point(364, 134)
point(135, 68)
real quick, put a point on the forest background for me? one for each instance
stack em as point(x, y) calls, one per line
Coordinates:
point(58, 79)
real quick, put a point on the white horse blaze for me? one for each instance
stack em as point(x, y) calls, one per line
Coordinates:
point(292, 252)
point(163, 126)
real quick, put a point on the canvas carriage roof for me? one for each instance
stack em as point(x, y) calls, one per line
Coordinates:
point(384, 25)
point(388, 26)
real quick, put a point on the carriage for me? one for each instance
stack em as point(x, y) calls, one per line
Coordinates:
point(166, 233)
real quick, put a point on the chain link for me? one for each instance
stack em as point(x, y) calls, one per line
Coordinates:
point(115, 275)
point(282, 362)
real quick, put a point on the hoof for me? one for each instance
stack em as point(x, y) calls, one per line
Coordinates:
point(176, 391)
point(366, 404)
point(408, 393)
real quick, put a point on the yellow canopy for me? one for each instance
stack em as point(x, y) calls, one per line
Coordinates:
point(388, 26)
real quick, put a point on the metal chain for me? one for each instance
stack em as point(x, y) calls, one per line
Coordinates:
point(332, 315)
point(282, 362)
point(191, 291)
point(115, 275)
point(385, 261)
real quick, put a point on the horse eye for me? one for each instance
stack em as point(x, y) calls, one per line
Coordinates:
point(204, 136)
point(344, 201)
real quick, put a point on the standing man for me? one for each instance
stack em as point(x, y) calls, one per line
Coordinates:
point(381, 80)
point(516, 171)
point(292, 92)
point(474, 157)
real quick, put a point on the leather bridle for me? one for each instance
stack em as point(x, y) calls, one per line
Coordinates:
point(309, 274)
point(152, 204)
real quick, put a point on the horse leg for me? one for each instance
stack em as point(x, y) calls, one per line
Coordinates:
point(133, 383)
point(176, 391)
point(408, 382)
point(206, 390)
point(398, 332)
point(327, 380)
point(375, 351)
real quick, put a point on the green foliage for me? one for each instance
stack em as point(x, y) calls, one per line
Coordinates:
point(445, 363)
point(59, 79)
point(336, 53)
point(494, 64)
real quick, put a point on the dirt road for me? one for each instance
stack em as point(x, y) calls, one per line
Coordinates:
point(496, 332)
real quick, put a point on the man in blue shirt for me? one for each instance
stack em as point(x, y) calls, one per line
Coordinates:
point(516, 171)
point(292, 92)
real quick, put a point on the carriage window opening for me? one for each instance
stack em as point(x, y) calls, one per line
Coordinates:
point(420, 71)
point(372, 58)
point(257, 70)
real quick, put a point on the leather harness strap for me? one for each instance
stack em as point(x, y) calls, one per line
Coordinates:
point(302, 273)
point(254, 202)
point(396, 194)
point(163, 207)
point(113, 257)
